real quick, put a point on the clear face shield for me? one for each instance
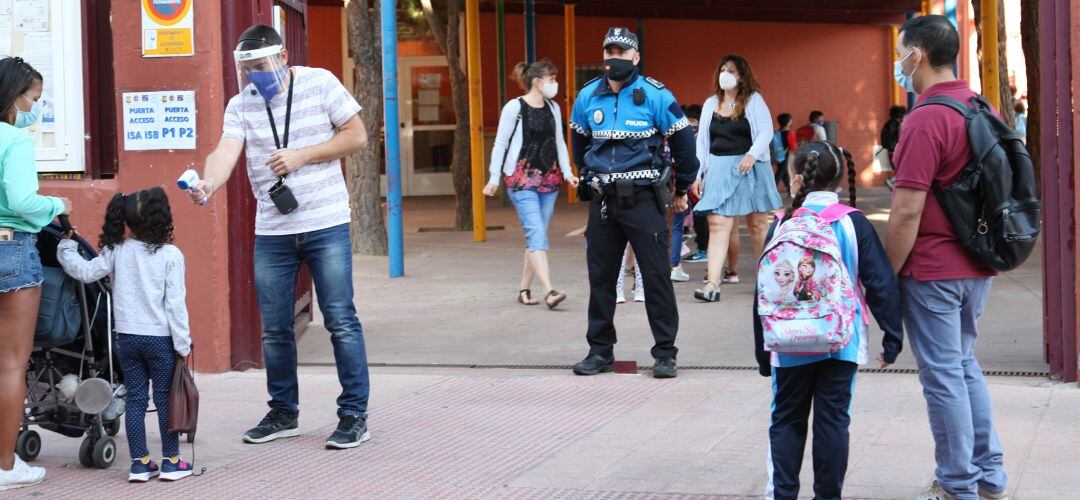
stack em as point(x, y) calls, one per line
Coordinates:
point(261, 70)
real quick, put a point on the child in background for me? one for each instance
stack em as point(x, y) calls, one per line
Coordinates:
point(639, 289)
point(825, 381)
point(151, 315)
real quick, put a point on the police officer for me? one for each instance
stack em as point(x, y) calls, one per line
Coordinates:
point(620, 121)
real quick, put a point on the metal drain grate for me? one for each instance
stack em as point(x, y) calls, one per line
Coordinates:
point(897, 371)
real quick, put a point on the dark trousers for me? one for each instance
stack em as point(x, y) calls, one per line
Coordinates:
point(646, 229)
point(701, 231)
point(144, 359)
point(827, 385)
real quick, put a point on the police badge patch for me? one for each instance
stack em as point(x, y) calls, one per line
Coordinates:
point(598, 117)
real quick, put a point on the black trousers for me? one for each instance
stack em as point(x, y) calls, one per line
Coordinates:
point(827, 384)
point(701, 231)
point(647, 231)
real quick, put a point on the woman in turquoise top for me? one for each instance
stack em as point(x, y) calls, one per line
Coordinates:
point(23, 212)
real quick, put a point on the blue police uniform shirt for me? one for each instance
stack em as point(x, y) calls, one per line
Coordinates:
point(623, 136)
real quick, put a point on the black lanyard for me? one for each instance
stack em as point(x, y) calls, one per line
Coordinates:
point(288, 115)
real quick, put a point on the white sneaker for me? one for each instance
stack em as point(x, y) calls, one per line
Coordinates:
point(685, 250)
point(20, 475)
point(677, 274)
point(935, 492)
point(639, 295)
point(986, 495)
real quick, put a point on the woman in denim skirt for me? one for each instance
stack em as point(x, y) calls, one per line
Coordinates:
point(22, 215)
point(736, 177)
point(530, 150)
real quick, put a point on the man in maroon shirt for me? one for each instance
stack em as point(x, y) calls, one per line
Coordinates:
point(943, 288)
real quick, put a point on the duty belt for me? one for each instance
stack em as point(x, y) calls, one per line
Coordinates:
point(632, 175)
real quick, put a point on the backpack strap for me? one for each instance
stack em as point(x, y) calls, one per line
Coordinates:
point(948, 102)
point(836, 211)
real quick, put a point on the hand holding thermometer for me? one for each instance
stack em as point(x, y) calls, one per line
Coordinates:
point(189, 181)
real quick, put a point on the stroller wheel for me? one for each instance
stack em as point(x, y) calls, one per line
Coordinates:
point(29, 445)
point(104, 453)
point(112, 428)
point(86, 452)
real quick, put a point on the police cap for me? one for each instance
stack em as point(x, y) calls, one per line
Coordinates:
point(622, 37)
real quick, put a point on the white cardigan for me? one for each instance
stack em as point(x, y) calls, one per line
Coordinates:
point(761, 130)
point(507, 159)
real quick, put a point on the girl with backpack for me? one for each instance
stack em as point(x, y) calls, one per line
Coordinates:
point(530, 150)
point(150, 312)
point(812, 343)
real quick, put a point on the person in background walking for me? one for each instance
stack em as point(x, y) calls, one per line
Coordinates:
point(783, 143)
point(1021, 120)
point(530, 149)
point(736, 176)
point(814, 130)
point(890, 136)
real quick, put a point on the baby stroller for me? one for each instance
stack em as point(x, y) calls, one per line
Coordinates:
point(72, 387)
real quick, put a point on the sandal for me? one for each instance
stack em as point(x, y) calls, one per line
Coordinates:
point(525, 297)
point(554, 298)
point(706, 295)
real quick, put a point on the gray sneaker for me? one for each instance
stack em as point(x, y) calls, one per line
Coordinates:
point(350, 433)
point(985, 494)
point(275, 425)
point(935, 492)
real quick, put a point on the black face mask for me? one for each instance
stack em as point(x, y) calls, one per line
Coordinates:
point(618, 69)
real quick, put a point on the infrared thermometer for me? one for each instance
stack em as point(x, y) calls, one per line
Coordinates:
point(188, 180)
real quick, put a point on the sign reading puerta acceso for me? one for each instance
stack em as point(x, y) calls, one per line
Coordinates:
point(159, 120)
point(168, 28)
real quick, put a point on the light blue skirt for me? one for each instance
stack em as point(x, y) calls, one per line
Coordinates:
point(731, 193)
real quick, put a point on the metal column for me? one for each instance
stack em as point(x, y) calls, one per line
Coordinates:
point(395, 245)
point(476, 119)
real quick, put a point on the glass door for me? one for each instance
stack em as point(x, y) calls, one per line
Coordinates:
point(428, 122)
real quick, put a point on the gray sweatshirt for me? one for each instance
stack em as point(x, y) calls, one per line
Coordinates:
point(148, 288)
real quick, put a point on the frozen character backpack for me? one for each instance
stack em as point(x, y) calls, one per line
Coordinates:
point(806, 297)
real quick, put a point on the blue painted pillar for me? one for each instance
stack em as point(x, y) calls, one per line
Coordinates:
point(950, 13)
point(530, 31)
point(395, 246)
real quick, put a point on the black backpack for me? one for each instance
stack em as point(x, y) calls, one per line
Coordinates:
point(992, 204)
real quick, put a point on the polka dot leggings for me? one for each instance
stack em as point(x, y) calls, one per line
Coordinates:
point(143, 359)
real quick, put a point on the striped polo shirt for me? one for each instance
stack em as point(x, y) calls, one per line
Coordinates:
point(320, 105)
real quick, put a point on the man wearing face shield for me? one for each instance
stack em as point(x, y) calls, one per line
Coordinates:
point(294, 124)
point(620, 121)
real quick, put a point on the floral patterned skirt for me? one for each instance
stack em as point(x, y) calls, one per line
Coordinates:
point(527, 177)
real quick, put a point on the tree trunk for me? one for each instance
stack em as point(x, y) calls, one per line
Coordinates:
point(1006, 95)
point(448, 35)
point(368, 225)
point(1029, 36)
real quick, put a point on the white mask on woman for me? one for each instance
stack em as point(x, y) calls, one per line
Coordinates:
point(550, 89)
point(727, 81)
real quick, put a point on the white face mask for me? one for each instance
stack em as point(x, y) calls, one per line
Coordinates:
point(550, 89)
point(727, 80)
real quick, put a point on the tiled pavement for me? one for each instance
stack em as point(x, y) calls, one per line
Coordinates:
point(461, 433)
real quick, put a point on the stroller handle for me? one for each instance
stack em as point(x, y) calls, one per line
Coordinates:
point(65, 223)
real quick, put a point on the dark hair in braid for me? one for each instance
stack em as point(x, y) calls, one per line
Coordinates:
point(820, 166)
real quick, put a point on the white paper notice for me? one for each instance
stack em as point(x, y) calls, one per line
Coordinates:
point(5, 35)
point(5, 7)
point(429, 97)
point(429, 114)
point(159, 120)
point(31, 15)
point(38, 51)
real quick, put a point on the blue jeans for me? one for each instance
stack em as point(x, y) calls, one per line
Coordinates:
point(534, 209)
point(941, 321)
point(677, 238)
point(20, 264)
point(145, 359)
point(328, 255)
